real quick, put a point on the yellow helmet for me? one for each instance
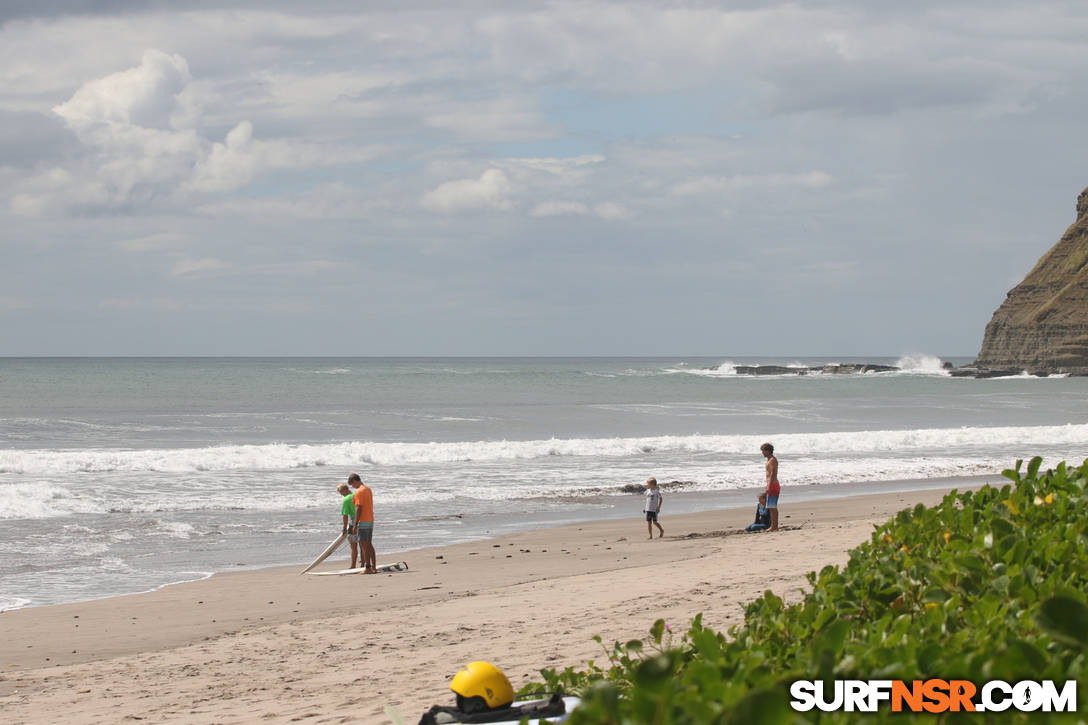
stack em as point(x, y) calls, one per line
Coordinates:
point(481, 686)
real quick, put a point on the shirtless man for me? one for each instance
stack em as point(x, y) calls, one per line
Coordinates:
point(772, 484)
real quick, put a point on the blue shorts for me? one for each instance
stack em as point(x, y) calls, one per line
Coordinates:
point(772, 502)
point(757, 527)
point(364, 531)
point(651, 516)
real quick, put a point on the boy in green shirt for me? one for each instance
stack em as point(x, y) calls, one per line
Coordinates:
point(347, 511)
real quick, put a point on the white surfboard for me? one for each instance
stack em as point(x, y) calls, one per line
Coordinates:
point(327, 552)
point(569, 702)
point(395, 566)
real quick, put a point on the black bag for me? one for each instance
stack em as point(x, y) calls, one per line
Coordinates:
point(439, 715)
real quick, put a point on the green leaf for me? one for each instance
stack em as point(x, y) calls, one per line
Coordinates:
point(1065, 619)
point(762, 707)
point(1013, 474)
point(971, 561)
point(831, 637)
point(936, 595)
point(654, 672)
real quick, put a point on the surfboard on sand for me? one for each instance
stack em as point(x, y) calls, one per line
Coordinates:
point(327, 552)
point(383, 568)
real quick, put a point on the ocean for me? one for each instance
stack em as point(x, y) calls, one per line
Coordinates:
point(124, 475)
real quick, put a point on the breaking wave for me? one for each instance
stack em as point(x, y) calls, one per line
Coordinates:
point(286, 457)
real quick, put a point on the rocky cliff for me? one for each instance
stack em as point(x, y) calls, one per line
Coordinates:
point(1042, 326)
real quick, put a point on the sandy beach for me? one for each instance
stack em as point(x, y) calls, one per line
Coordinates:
point(274, 646)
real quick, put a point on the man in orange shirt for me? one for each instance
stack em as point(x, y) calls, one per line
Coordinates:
point(363, 532)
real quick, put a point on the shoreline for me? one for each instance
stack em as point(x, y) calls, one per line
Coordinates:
point(681, 501)
point(270, 641)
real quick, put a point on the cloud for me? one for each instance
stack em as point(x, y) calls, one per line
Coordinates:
point(140, 145)
point(142, 96)
point(229, 164)
point(491, 191)
point(198, 267)
point(611, 211)
point(607, 210)
point(150, 242)
point(559, 208)
point(729, 184)
point(321, 202)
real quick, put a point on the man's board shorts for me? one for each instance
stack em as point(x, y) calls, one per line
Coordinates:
point(772, 502)
point(364, 531)
point(651, 516)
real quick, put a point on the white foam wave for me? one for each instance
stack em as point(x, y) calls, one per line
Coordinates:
point(912, 364)
point(9, 603)
point(725, 370)
point(37, 501)
point(177, 529)
point(286, 457)
point(921, 364)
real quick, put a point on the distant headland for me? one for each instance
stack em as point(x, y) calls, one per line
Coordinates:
point(1042, 326)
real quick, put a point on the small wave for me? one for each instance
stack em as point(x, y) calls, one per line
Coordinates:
point(177, 529)
point(7, 604)
point(330, 371)
point(725, 370)
point(289, 457)
point(36, 501)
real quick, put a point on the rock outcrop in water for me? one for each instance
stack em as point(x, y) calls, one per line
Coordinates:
point(1042, 326)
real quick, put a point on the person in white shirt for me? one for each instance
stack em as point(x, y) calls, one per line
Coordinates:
point(653, 508)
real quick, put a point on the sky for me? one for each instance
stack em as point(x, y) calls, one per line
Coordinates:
point(563, 178)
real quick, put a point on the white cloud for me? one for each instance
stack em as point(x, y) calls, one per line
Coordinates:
point(559, 208)
point(138, 132)
point(150, 242)
point(491, 191)
point(607, 210)
point(567, 167)
point(229, 164)
point(322, 202)
point(729, 184)
point(141, 96)
point(198, 267)
point(611, 211)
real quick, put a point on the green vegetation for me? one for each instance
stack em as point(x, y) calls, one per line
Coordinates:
point(986, 585)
